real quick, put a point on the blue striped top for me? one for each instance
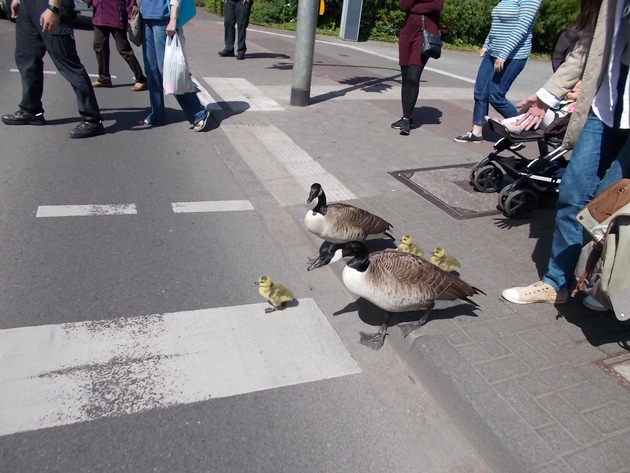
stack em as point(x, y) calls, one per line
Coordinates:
point(510, 35)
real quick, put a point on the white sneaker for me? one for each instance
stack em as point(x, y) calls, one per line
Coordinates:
point(593, 304)
point(537, 292)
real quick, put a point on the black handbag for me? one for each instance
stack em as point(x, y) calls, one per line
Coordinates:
point(431, 43)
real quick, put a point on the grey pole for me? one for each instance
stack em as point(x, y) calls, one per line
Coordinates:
point(306, 28)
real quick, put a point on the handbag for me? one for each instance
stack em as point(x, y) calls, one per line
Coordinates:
point(176, 76)
point(431, 43)
point(134, 26)
point(602, 270)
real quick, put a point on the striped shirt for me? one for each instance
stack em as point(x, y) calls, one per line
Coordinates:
point(510, 35)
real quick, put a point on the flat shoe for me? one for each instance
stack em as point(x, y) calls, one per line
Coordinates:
point(98, 83)
point(139, 86)
point(147, 124)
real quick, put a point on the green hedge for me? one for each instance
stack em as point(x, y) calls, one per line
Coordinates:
point(463, 22)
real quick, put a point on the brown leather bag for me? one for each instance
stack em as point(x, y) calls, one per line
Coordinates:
point(598, 212)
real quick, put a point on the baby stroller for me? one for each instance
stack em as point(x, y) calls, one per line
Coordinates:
point(521, 181)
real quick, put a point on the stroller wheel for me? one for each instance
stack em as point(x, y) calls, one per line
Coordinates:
point(504, 194)
point(487, 179)
point(520, 203)
point(477, 167)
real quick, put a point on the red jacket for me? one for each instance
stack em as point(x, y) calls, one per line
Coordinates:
point(113, 13)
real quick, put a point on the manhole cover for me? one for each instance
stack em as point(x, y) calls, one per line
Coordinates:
point(448, 188)
point(618, 367)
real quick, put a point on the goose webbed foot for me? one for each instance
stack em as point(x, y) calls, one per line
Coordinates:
point(408, 327)
point(374, 340)
point(269, 310)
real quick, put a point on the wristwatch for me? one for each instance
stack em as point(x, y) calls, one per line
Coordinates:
point(55, 9)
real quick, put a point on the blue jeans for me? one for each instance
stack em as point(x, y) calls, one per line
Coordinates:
point(153, 47)
point(599, 149)
point(491, 88)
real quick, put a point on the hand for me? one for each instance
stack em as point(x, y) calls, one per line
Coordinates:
point(171, 28)
point(49, 21)
point(534, 115)
point(15, 8)
point(498, 65)
point(482, 52)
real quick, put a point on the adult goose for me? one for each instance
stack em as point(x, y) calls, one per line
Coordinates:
point(339, 222)
point(399, 282)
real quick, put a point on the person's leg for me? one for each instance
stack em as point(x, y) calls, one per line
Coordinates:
point(620, 168)
point(500, 85)
point(29, 51)
point(62, 49)
point(229, 25)
point(126, 52)
point(480, 92)
point(596, 149)
point(410, 89)
point(153, 45)
point(189, 102)
point(101, 48)
point(242, 22)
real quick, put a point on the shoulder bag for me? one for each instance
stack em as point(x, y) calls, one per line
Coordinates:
point(431, 43)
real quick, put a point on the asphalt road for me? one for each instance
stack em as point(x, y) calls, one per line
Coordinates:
point(75, 277)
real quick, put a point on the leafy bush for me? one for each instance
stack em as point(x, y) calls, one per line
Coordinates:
point(274, 12)
point(463, 22)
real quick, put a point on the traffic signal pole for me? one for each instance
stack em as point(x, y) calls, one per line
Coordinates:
point(306, 29)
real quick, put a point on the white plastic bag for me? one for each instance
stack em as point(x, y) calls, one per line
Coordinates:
point(176, 78)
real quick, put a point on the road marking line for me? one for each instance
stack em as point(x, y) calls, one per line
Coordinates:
point(285, 169)
point(54, 375)
point(212, 206)
point(367, 51)
point(205, 98)
point(55, 72)
point(241, 95)
point(85, 210)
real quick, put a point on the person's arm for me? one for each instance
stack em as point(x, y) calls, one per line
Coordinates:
point(49, 19)
point(526, 17)
point(172, 24)
point(561, 82)
point(421, 6)
point(15, 8)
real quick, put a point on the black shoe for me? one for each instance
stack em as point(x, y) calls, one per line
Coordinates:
point(405, 126)
point(240, 57)
point(226, 53)
point(22, 117)
point(88, 130)
point(396, 125)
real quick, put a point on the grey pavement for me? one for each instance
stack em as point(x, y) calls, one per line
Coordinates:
point(525, 384)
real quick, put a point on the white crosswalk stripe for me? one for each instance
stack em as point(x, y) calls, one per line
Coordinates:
point(240, 95)
point(54, 375)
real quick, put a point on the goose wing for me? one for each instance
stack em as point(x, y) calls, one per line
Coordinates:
point(352, 217)
point(420, 276)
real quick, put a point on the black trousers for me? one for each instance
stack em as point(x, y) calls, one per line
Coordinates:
point(101, 48)
point(236, 15)
point(32, 44)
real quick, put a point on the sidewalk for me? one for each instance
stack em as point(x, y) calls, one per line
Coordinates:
point(525, 384)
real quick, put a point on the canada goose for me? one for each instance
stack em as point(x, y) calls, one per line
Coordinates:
point(276, 294)
point(399, 282)
point(328, 253)
point(339, 222)
point(407, 246)
point(444, 261)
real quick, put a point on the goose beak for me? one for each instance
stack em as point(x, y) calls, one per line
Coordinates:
point(318, 263)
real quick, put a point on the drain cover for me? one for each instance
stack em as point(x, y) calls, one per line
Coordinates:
point(618, 367)
point(448, 188)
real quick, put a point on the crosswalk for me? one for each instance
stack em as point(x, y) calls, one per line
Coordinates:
point(55, 375)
